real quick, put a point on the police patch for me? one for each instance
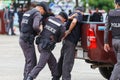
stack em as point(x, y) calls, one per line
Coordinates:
point(50, 29)
point(115, 24)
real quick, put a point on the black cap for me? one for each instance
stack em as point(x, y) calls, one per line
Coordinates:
point(80, 9)
point(64, 15)
point(117, 1)
point(44, 5)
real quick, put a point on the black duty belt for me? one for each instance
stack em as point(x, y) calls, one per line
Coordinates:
point(116, 37)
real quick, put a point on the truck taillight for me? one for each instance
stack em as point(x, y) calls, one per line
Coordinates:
point(91, 39)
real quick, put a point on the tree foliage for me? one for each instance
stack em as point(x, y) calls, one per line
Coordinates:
point(101, 4)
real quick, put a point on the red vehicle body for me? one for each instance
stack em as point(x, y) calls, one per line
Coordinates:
point(91, 47)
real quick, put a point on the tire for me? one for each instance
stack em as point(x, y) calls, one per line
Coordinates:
point(106, 71)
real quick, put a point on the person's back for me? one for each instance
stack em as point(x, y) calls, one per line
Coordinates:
point(27, 21)
point(54, 30)
point(114, 18)
point(74, 36)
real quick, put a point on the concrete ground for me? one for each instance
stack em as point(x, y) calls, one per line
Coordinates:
point(12, 63)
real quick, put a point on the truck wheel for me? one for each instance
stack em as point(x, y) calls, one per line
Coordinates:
point(106, 71)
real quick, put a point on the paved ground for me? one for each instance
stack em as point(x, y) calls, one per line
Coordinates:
point(12, 63)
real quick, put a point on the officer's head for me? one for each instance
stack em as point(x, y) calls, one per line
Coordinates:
point(117, 3)
point(42, 7)
point(63, 16)
point(79, 9)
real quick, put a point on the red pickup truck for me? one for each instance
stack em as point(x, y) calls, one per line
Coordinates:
point(91, 46)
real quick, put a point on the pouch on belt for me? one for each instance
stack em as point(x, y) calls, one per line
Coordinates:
point(45, 43)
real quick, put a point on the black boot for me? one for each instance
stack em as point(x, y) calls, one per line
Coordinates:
point(55, 78)
point(29, 78)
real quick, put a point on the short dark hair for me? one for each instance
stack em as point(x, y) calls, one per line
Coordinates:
point(64, 15)
point(80, 9)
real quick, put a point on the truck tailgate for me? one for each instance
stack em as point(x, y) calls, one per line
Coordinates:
point(96, 50)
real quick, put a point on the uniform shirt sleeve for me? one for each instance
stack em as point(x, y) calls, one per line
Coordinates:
point(79, 18)
point(106, 31)
point(37, 21)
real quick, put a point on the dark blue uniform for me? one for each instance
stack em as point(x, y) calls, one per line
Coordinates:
point(113, 22)
point(29, 29)
point(51, 34)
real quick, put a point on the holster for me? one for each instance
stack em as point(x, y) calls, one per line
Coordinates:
point(45, 43)
point(27, 38)
point(37, 41)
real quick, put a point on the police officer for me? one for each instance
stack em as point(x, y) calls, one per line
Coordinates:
point(113, 22)
point(72, 36)
point(29, 29)
point(52, 33)
point(6, 19)
point(11, 20)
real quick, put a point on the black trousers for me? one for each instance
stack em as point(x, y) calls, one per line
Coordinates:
point(46, 56)
point(30, 57)
point(66, 61)
point(116, 71)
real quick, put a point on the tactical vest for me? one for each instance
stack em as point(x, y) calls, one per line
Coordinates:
point(52, 28)
point(27, 21)
point(114, 21)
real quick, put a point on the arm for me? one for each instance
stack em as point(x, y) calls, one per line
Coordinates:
point(72, 25)
point(76, 19)
point(37, 22)
point(72, 16)
point(106, 33)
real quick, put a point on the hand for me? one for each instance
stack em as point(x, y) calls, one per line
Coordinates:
point(66, 34)
point(106, 47)
point(72, 16)
point(41, 28)
point(8, 21)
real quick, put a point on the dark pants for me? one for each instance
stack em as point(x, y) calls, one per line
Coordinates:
point(46, 56)
point(10, 27)
point(30, 57)
point(19, 26)
point(116, 71)
point(66, 61)
point(6, 27)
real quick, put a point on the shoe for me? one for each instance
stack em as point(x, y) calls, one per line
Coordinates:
point(55, 78)
point(13, 34)
point(29, 78)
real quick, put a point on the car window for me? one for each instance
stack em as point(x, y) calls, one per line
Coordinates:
point(89, 18)
point(85, 17)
